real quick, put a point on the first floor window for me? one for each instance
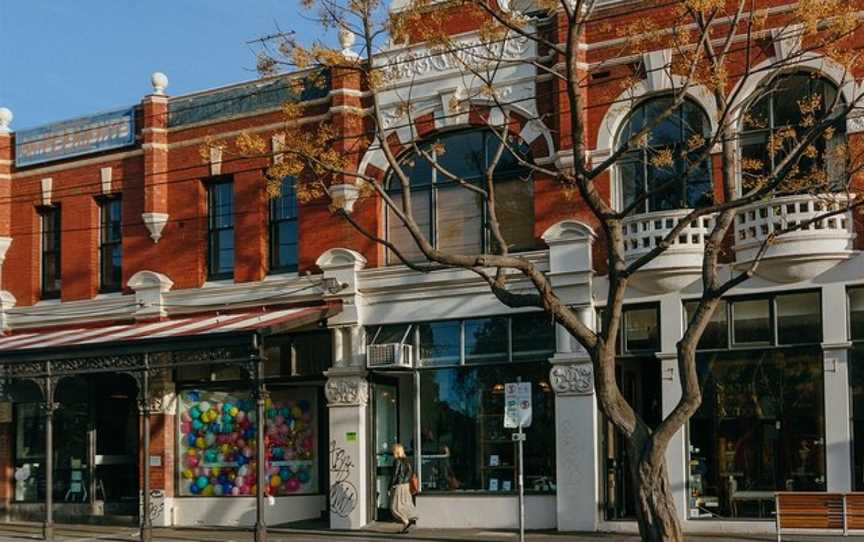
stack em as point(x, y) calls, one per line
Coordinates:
point(51, 272)
point(220, 233)
point(110, 245)
point(760, 429)
point(464, 445)
point(284, 229)
point(218, 432)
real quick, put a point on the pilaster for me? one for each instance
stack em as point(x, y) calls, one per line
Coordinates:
point(154, 134)
point(6, 159)
point(838, 410)
point(577, 431)
point(671, 330)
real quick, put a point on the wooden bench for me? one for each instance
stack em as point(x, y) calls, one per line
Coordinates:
point(835, 513)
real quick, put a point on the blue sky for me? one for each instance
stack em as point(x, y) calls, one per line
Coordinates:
point(65, 58)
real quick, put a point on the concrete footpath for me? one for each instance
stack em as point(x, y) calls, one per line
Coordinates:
point(24, 532)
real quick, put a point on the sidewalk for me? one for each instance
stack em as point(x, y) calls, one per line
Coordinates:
point(24, 532)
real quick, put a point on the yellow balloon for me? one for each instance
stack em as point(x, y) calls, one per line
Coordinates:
point(207, 491)
point(192, 452)
point(200, 442)
point(233, 411)
point(215, 471)
point(188, 474)
point(276, 481)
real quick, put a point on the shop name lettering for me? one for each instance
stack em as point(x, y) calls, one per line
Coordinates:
point(343, 494)
point(74, 138)
point(474, 52)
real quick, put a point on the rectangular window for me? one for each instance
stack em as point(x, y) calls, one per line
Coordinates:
point(751, 321)
point(465, 446)
point(486, 340)
point(301, 354)
point(716, 334)
point(799, 318)
point(641, 330)
point(856, 314)
point(220, 196)
point(440, 343)
point(284, 229)
point(217, 432)
point(533, 336)
point(51, 252)
point(110, 245)
point(856, 388)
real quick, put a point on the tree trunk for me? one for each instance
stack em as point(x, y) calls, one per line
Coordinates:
point(655, 506)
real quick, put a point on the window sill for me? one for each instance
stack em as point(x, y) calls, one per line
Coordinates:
point(217, 282)
point(48, 301)
point(109, 294)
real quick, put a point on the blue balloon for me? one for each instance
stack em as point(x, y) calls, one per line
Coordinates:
point(197, 425)
point(194, 488)
point(303, 476)
point(195, 412)
point(284, 473)
point(194, 396)
point(190, 439)
point(202, 482)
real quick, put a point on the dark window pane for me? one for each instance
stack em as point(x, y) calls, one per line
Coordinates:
point(51, 275)
point(440, 343)
point(799, 318)
point(716, 332)
point(751, 321)
point(486, 340)
point(631, 173)
point(856, 313)
point(283, 228)
point(389, 334)
point(312, 353)
point(514, 202)
point(464, 444)
point(110, 250)
point(641, 330)
point(533, 336)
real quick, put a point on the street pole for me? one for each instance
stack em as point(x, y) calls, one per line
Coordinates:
point(48, 525)
point(521, 484)
point(146, 520)
point(260, 455)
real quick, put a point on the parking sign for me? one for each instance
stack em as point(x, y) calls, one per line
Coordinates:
point(517, 404)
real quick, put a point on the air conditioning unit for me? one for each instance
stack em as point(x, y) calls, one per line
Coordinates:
point(390, 355)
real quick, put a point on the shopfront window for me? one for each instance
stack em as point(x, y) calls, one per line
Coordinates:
point(465, 446)
point(760, 428)
point(218, 441)
point(856, 381)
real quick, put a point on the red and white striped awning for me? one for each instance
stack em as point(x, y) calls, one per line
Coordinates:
point(200, 324)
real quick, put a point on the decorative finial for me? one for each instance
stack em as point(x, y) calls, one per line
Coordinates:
point(6, 117)
point(346, 40)
point(160, 82)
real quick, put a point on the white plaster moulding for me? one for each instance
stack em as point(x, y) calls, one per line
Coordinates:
point(76, 164)
point(155, 223)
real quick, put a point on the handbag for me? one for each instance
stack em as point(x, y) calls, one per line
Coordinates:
point(414, 484)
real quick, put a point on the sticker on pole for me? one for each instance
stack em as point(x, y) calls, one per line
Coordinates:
point(517, 404)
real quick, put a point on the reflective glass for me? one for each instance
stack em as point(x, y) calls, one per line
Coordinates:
point(751, 321)
point(486, 340)
point(799, 318)
point(440, 343)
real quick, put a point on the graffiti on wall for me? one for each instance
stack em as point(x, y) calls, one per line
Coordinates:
point(343, 494)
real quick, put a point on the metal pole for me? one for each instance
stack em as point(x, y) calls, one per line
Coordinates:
point(261, 396)
point(146, 520)
point(48, 525)
point(521, 484)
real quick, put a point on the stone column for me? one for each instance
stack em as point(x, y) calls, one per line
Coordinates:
point(577, 428)
point(838, 410)
point(347, 394)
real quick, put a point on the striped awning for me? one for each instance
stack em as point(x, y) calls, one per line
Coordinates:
point(277, 320)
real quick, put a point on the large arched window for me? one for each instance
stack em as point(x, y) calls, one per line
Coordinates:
point(669, 164)
point(789, 105)
point(453, 217)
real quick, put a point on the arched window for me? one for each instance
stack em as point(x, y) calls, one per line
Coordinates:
point(790, 103)
point(453, 217)
point(668, 164)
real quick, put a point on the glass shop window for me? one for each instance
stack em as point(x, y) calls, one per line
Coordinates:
point(799, 318)
point(760, 429)
point(532, 336)
point(751, 321)
point(856, 387)
point(486, 340)
point(465, 446)
point(218, 432)
point(716, 333)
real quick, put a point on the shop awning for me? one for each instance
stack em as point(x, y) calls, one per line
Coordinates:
point(210, 324)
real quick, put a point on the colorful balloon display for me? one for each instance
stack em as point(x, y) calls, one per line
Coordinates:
point(218, 441)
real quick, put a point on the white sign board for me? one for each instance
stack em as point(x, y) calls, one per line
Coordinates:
point(517, 404)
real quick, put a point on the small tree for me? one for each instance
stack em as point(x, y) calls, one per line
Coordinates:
point(713, 46)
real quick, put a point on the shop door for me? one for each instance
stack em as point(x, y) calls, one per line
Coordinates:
point(385, 431)
point(115, 458)
point(639, 381)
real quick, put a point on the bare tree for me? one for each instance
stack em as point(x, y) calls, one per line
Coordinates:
point(713, 47)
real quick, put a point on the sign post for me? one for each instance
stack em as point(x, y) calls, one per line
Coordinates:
point(517, 414)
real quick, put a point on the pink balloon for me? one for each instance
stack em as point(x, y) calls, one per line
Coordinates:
point(279, 420)
point(292, 485)
point(185, 427)
point(235, 491)
point(185, 417)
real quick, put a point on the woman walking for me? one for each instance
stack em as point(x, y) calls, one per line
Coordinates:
point(401, 502)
